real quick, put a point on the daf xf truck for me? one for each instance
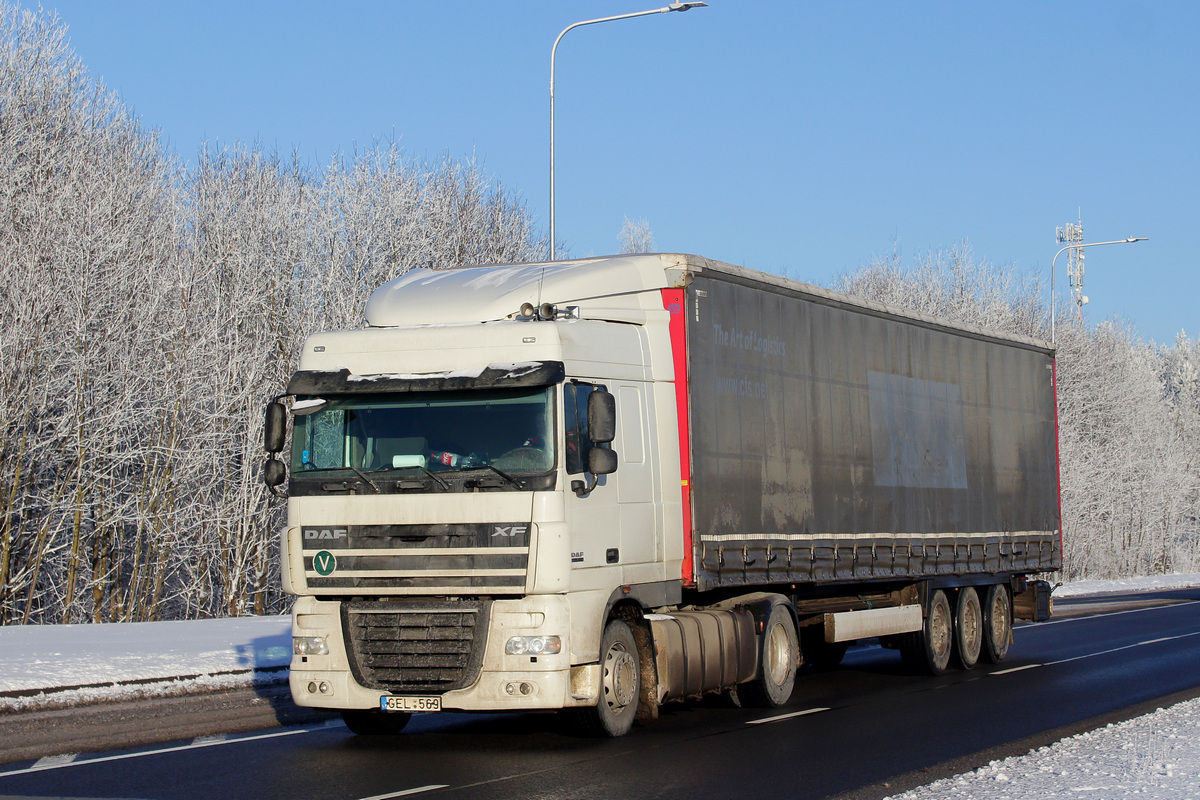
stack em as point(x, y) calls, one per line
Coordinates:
point(604, 484)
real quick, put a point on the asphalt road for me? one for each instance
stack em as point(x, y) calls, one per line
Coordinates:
point(863, 730)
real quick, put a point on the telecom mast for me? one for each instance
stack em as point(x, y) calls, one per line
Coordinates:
point(1071, 234)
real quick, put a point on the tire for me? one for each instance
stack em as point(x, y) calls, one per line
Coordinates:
point(620, 685)
point(818, 653)
point(779, 657)
point(997, 623)
point(968, 628)
point(928, 650)
point(375, 723)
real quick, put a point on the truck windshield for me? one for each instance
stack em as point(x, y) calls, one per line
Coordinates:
point(506, 430)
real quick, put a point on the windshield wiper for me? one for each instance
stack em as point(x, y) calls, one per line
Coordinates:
point(520, 484)
point(433, 476)
point(366, 478)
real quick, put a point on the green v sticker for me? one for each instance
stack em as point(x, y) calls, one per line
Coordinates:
point(324, 562)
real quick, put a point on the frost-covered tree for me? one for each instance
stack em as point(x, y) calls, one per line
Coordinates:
point(636, 236)
point(87, 231)
point(147, 313)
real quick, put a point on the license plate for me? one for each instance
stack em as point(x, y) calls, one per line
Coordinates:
point(388, 703)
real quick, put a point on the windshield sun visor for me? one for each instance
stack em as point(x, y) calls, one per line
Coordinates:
point(518, 375)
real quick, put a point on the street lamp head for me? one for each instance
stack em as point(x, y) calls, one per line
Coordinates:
point(1137, 239)
point(688, 6)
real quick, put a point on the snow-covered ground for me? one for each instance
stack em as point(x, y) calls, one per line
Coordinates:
point(1152, 757)
point(60, 665)
point(1155, 757)
point(1152, 584)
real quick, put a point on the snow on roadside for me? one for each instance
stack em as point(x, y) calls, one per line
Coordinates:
point(1153, 583)
point(163, 658)
point(1153, 757)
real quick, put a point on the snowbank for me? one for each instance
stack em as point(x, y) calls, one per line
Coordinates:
point(1154, 583)
point(1154, 757)
point(55, 665)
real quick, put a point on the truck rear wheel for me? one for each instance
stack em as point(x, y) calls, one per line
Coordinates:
point(375, 723)
point(620, 685)
point(968, 628)
point(997, 623)
point(777, 663)
point(928, 650)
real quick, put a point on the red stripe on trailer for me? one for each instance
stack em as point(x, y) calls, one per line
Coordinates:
point(1057, 457)
point(674, 302)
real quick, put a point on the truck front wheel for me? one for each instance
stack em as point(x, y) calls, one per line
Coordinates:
point(620, 685)
point(777, 663)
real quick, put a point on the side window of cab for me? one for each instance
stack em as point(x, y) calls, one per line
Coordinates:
point(575, 403)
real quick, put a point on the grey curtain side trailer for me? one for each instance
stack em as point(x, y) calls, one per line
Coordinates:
point(833, 441)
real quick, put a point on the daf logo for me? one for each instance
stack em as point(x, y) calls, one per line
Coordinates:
point(509, 531)
point(325, 533)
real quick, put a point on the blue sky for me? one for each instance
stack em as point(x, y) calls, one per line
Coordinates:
point(796, 138)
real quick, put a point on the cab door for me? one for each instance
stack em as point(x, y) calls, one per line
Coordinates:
point(614, 525)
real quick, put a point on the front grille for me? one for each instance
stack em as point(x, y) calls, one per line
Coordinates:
point(478, 557)
point(417, 645)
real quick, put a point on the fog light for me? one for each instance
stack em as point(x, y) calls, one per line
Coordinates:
point(526, 688)
point(324, 687)
point(312, 687)
point(533, 645)
point(309, 646)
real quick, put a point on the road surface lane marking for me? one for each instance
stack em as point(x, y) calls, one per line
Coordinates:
point(123, 756)
point(49, 762)
point(1013, 669)
point(1036, 625)
point(1125, 647)
point(787, 716)
point(417, 790)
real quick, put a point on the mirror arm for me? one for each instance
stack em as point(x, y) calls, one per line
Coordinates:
point(583, 490)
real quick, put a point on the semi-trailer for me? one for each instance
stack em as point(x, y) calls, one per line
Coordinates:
point(604, 484)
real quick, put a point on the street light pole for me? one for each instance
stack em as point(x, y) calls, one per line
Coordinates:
point(678, 6)
point(1053, 304)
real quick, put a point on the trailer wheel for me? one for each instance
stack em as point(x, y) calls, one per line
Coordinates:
point(620, 685)
point(997, 623)
point(928, 650)
point(375, 723)
point(968, 628)
point(777, 663)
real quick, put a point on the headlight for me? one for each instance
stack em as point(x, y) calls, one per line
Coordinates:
point(309, 646)
point(533, 646)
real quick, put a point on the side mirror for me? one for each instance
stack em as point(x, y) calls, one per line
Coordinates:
point(601, 461)
point(602, 418)
point(274, 473)
point(275, 429)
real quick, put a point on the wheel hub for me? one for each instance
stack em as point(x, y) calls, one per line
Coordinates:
point(620, 677)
